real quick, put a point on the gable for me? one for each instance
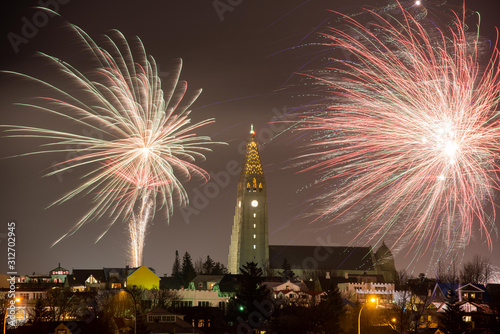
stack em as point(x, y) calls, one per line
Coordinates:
point(470, 288)
point(287, 286)
point(143, 278)
point(62, 329)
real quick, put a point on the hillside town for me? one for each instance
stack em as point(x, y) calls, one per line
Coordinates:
point(204, 298)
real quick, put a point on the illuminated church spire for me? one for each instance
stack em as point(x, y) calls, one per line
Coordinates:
point(249, 237)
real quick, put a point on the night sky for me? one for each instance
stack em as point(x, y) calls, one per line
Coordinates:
point(245, 65)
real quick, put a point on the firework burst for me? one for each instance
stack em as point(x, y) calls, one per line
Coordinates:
point(409, 137)
point(138, 139)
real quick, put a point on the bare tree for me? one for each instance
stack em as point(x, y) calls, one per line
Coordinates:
point(198, 266)
point(268, 271)
point(164, 298)
point(399, 309)
point(447, 272)
point(476, 271)
point(62, 304)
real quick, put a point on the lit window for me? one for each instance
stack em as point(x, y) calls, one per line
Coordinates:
point(254, 247)
point(467, 318)
point(254, 225)
point(239, 204)
point(254, 236)
point(255, 203)
point(254, 215)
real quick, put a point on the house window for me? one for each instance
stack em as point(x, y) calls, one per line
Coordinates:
point(467, 318)
point(185, 303)
point(19, 314)
point(154, 318)
point(116, 285)
point(204, 303)
point(61, 331)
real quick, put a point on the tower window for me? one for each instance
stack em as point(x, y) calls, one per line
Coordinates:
point(254, 236)
point(254, 215)
point(260, 186)
point(254, 246)
point(254, 225)
point(254, 184)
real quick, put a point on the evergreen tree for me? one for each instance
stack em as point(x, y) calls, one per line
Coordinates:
point(450, 322)
point(176, 268)
point(219, 269)
point(330, 310)
point(208, 266)
point(188, 272)
point(287, 274)
point(251, 296)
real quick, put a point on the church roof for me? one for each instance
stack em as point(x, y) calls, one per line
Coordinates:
point(334, 257)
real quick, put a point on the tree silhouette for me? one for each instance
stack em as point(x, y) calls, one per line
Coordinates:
point(251, 302)
point(176, 267)
point(450, 322)
point(188, 271)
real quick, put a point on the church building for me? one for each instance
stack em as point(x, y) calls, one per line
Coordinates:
point(250, 240)
point(249, 237)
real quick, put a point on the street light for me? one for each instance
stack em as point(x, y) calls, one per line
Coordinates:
point(372, 300)
point(135, 309)
point(17, 300)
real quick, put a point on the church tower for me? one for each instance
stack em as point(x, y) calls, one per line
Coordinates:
point(249, 237)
